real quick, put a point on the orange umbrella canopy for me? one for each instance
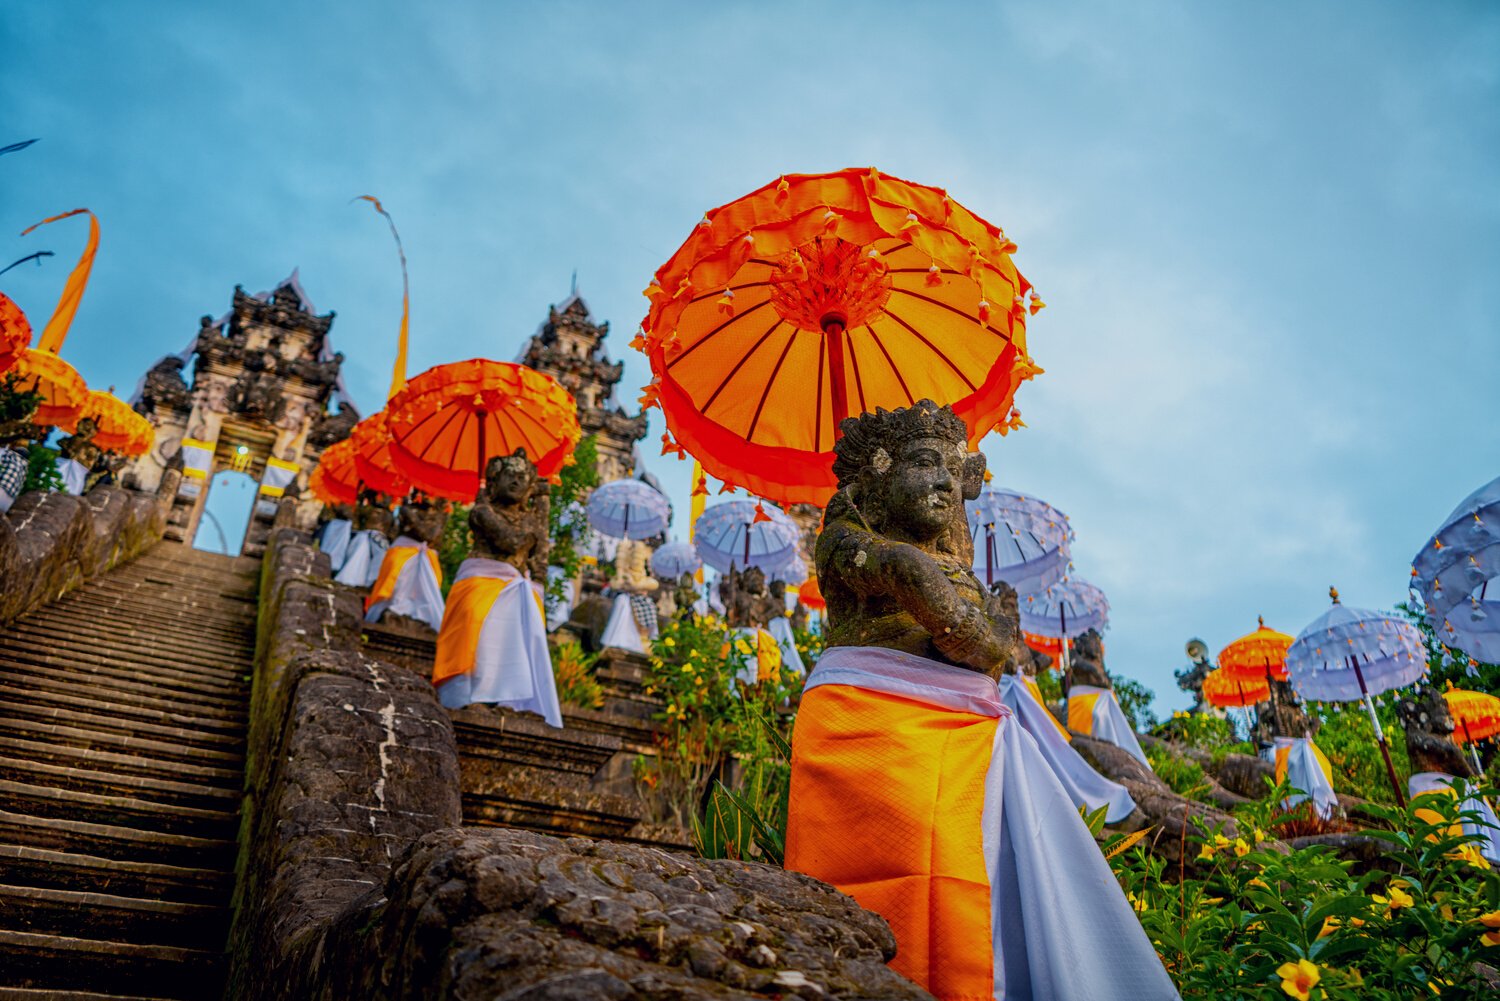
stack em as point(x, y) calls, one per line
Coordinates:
point(811, 595)
point(1043, 644)
point(15, 332)
point(1224, 690)
point(1256, 655)
point(1475, 715)
point(372, 457)
point(63, 390)
point(120, 429)
point(334, 479)
point(448, 422)
point(822, 296)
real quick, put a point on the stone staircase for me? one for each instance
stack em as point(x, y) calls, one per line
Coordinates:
point(122, 724)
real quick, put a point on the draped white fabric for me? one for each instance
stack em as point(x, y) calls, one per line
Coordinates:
point(1304, 773)
point(1061, 927)
point(512, 665)
point(74, 475)
point(362, 563)
point(781, 630)
point(417, 593)
point(335, 541)
point(1110, 724)
point(621, 630)
point(1084, 786)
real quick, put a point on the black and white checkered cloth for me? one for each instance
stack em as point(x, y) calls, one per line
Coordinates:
point(12, 473)
point(643, 606)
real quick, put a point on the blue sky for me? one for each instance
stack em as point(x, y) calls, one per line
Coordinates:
point(1268, 233)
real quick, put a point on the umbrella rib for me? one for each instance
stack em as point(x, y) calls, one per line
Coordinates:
point(730, 288)
point(714, 333)
point(951, 309)
point(457, 412)
point(859, 382)
point(739, 364)
point(525, 438)
point(769, 383)
point(935, 350)
point(920, 271)
point(892, 363)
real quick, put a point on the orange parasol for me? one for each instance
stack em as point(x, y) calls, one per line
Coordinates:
point(811, 595)
point(448, 422)
point(372, 457)
point(120, 429)
point(1260, 655)
point(822, 296)
point(1221, 689)
point(1043, 644)
point(15, 332)
point(1475, 715)
point(63, 390)
point(334, 479)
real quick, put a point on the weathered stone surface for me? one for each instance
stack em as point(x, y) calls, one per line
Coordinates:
point(510, 914)
point(52, 542)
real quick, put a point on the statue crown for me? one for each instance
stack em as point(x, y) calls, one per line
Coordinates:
point(868, 434)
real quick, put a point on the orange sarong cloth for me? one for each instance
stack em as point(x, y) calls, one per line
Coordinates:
point(391, 565)
point(917, 859)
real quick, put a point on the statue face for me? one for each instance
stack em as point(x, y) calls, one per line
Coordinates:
point(510, 483)
point(754, 580)
point(86, 426)
point(923, 487)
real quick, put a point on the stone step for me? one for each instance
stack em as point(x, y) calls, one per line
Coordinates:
point(498, 738)
point(123, 919)
point(161, 712)
point(195, 687)
point(102, 783)
point(177, 618)
point(109, 841)
point(191, 736)
point(192, 642)
point(116, 811)
point(25, 865)
point(120, 686)
point(44, 994)
point(94, 759)
point(526, 798)
point(22, 729)
point(88, 640)
point(59, 962)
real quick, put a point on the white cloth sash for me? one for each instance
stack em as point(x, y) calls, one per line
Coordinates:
point(1061, 927)
point(74, 475)
point(416, 593)
point(512, 665)
point(1110, 724)
point(1084, 786)
point(335, 541)
point(1304, 773)
point(362, 564)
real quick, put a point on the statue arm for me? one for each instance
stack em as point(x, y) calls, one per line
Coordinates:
point(869, 564)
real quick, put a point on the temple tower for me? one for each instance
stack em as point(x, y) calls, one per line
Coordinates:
point(570, 348)
point(262, 376)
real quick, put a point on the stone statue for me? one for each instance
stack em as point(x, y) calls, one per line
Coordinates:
point(216, 396)
point(423, 520)
point(1429, 730)
point(1283, 716)
point(509, 517)
point(79, 446)
point(373, 512)
point(632, 573)
point(164, 386)
point(894, 557)
point(1190, 678)
point(330, 428)
point(590, 613)
point(685, 594)
point(1086, 661)
point(747, 598)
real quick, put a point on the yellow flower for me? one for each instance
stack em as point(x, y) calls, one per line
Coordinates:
point(1470, 854)
point(669, 642)
point(1220, 841)
point(1205, 854)
point(1398, 899)
point(1240, 848)
point(1260, 835)
point(1330, 925)
point(1257, 881)
point(1298, 979)
point(1492, 922)
point(1137, 902)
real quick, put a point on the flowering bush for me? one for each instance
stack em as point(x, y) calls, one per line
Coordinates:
point(574, 672)
point(1253, 921)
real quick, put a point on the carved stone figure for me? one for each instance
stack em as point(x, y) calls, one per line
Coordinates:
point(509, 517)
point(374, 512)
point(894, 556)
point(292, 413)
point(423, 520)
point(79, 446)
point(748, 600)
point(330, 428)
point(216, 396)
point(590, 613)
point(1190, 679)
point(685, 594)
point(1283, 716)
point(1086, 661)
point(1429, 730)
point(632, 573)
point(164, 387)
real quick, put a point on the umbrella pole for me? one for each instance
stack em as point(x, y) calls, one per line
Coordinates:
point(483, 452)
point(1478, 768)
point(747, 544)
point(1385, 750)
point(834, 336)
point(989, 556)
point(626, 529)
point(1067, 667)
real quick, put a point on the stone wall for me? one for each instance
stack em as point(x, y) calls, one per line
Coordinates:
point(356, 880)
point(52, 542)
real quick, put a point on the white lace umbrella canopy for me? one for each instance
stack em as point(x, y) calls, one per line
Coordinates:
point(629, 509)
point(1018, 539)
point(1344, 645)
point(1454, 572)
point(1066, 610)
point(675, 559)
point(728, 534)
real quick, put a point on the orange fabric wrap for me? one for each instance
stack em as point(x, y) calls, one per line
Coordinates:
point(886, 803)
point(469, 603)
point(72, 294)
point(1036, 692)
point(1323, 763)
point(390, 568)
point(1081, 712)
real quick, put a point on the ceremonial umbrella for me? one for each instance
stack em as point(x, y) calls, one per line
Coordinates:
point(629, 509)
point(1043, 644)
point(1018, 539)
point(675, 559)
point(1453, 572)
point(1064, 611)
point(15, 332)
point(62, 389)
point(1257, 656)
point(371, 439)
point(822, 296)
point(447, 423)
point(811, 595)
point(118, 427)
point(793, 570)
point(335, 480)
point(1476, 716)
point(739, 534)
point(1348, 654)
point(1223, 689)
